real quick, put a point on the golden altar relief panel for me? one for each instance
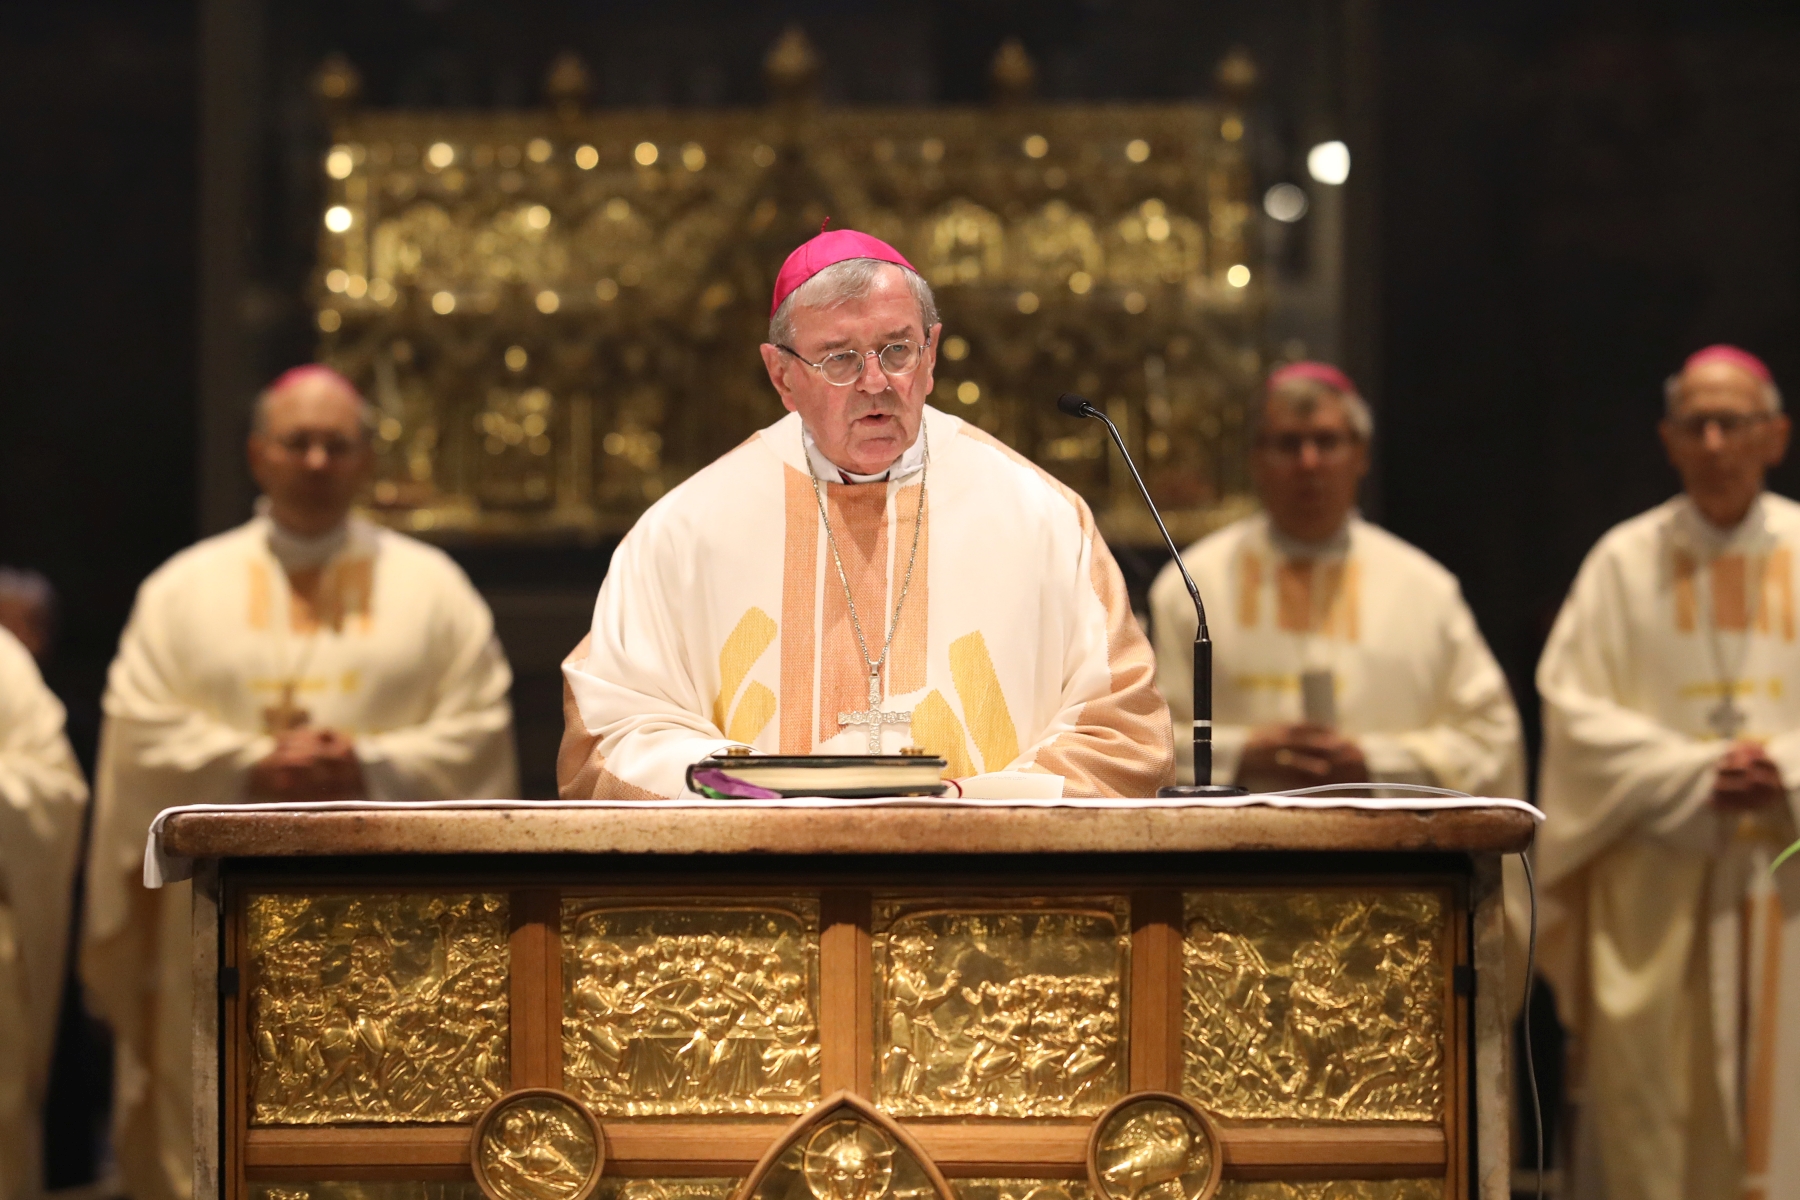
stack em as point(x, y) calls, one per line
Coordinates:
point(1334, 1189)
point(1022, 1189)
point(381, 1007)
point(537, 1144)
point(691, 1008)
point(672, 1187)
point(556, 313)
point(1315, 1005)
point(1008, 1009)
point(1154, 1146)
point(844, 1150)
point(365, 1189)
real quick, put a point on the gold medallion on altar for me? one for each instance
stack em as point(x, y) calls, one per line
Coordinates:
point(537, 1144)
point(1154, 1146)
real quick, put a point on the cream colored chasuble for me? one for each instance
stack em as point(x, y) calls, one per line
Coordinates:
point(1675, 956)
point(394, 647)
point(722, 620)
point(1415, 685)
point(42, 796)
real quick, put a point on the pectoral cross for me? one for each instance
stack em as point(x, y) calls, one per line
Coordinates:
point(1726, 719)
point(285, 715)
point(874, 718)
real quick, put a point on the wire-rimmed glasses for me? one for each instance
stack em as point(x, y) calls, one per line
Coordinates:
point(844, 367)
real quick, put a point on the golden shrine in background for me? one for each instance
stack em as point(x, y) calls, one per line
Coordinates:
point(556, 312)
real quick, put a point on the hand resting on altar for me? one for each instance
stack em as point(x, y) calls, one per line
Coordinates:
point(308, 763)
point(1278, 757)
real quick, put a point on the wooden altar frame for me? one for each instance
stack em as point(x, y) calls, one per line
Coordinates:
point(846, 857)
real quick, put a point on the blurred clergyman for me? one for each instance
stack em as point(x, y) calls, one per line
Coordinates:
point(1342, 654)
point(1671, 687)
point(305, 655)
point(42, 796)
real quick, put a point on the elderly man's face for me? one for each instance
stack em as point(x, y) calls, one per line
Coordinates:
point(1723, 439)
point(865, 426)
point(1306, 465)
point(312, 455)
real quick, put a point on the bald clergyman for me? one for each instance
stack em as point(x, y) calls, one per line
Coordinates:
point(305, 655)
point(867, 574)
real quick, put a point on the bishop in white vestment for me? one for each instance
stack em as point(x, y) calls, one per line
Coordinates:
point(1340, 652)
point(307, 654)
point(42, 796)
point(1671, 689)
point(867, 573)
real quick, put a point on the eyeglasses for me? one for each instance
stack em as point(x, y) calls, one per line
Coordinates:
point(1731, 424)
point(1329, 444)
point(845, 367)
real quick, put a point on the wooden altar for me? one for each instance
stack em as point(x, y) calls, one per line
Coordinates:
point(972, 992)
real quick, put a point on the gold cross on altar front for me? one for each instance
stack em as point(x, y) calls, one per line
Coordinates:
point(874, 718)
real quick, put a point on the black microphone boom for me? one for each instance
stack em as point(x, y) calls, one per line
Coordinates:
point(1076, 406)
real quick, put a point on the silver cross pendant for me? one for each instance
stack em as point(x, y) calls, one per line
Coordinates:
point(873, 717)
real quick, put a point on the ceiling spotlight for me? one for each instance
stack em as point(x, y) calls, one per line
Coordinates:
point(1329, 162)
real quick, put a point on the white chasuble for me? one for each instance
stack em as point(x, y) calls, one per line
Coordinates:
point(723, 621)
point(383, 639)
point(1378, 625)
point(1674, 954)
point(42, 796)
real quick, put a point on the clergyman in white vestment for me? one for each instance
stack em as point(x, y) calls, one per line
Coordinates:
point(868, 573)
point(1671, 688)
point(42, 796)
point(1340, 653)
point(305, 655)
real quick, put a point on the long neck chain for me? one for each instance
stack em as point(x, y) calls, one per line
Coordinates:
point(862, 645)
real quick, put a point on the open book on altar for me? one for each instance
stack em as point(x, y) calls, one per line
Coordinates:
point(845, 776)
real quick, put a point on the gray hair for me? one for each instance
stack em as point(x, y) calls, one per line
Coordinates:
point(1672, 395)
point(1304, 395)
point(842, 282)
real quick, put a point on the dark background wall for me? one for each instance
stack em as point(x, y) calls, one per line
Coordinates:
point(1552, 204)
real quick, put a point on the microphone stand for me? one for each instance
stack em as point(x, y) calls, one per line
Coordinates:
point(1076, 406)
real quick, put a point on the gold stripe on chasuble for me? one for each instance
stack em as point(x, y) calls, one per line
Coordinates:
point(259, 595)
point(906, 665)
point(935, 728)
point(1250, 589)
point(1730, 595)
point(799, 596)
point(1765, 1013)
point(754, 632)
point(983, 703)
point(1687, 608)
point(1778, 590)
point(859, 519)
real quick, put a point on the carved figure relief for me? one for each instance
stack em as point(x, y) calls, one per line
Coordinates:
point(1010, 1010)
point(1337, 1189)
point(845, 1150)
point(673, 1187)
point(365, 1189)
point(1023, 1189)
point(1154, 1146)
point(690, 1009)
point(379, 1007)
point(537, 1144)
point(1315, 1005)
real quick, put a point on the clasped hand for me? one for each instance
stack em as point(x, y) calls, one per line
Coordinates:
point(308, 763)
point(1278, 757)
point(1747, 780)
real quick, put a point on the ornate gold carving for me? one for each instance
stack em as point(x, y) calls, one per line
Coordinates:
point(1022, 1189)
point(1154, 1146)
point(537, 1144)
point(691, 1008)
point(540, 304)
point(1342, 1189)
point(674, 1187)
point(845, 1150)
point(1000, 1008)
point(381, 1007)
point(1315, 1005)
point(363, 1189)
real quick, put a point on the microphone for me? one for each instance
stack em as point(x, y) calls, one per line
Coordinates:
point(1076, 406)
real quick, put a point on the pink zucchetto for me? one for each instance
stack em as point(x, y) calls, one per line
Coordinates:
point(836, 246)
point(311, 371)
point(1317, 372)
point(1743, 360)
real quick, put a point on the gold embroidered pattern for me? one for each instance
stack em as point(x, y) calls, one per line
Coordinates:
point(983, 703)
point(935, 728)
point(754, 633)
